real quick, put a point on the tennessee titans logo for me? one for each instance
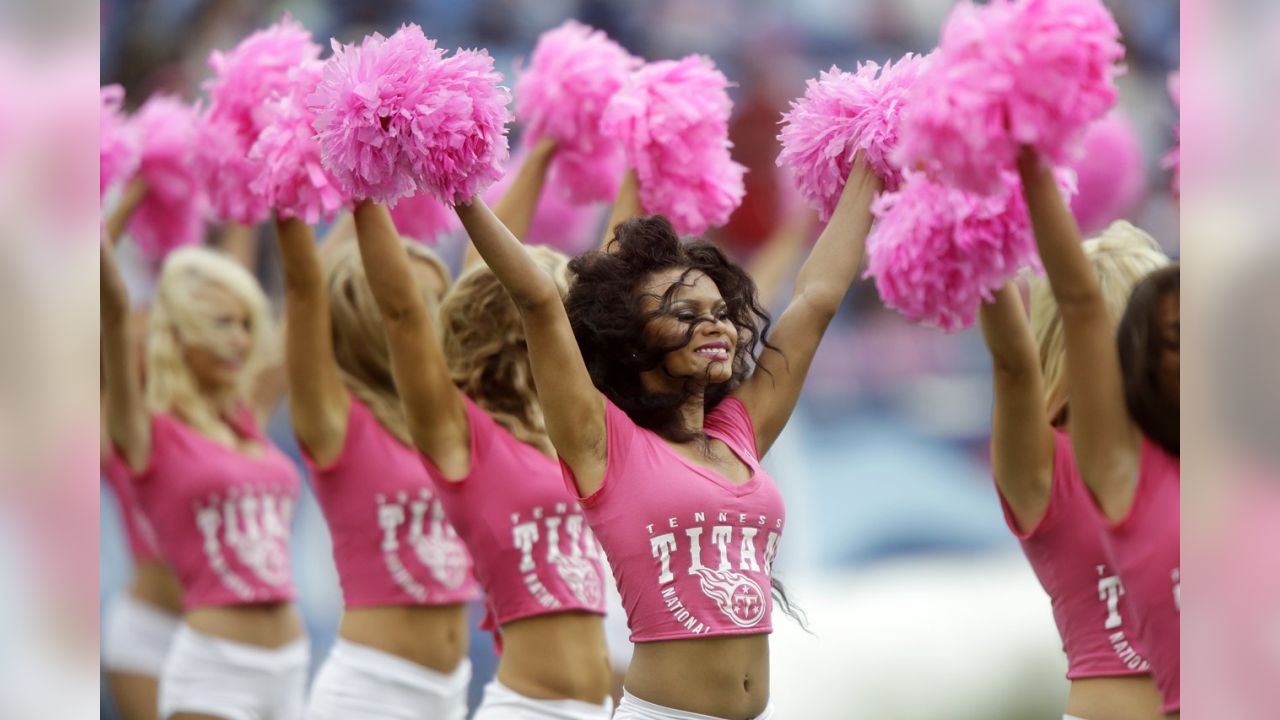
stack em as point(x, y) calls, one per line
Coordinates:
point(444, 557)
point(581, 577)
point(737, 596)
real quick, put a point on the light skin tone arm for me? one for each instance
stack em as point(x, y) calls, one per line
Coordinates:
point(1105, 440)
point(770, 394)
point(127, 419)
point(519, 203)
point(318, 401)
point(573, 408)
point(130, 199)
point(1021, 438)
point(433, 405)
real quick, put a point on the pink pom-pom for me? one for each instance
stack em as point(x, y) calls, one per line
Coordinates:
point(118, 144)
point(1008, 74)
point(395, 117)
point(573, 72)
point(246, 81)
point(172, 212)
point(1172, 160)
point(290, 175)
point(222, 160)
point(937, 252)
point(423, 218)
point(1110, 172)
point(256, 71)
point(672, 117)
point(840, 114)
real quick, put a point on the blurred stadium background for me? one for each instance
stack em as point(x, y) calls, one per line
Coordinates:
point(920, 605)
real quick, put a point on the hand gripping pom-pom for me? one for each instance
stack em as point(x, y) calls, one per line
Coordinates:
point(172, 213)
point(937, 252)
point(840, 114)
point(289, 175)
point(394, 117)
point(118, 142)
point(246, 81)
point(573, 72)
point(1008, 74)
point(672, 117)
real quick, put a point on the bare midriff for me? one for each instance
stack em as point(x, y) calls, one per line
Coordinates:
point(1114, 698)
point(156, 585)
point(268, 625)
point(726, 677)
point(556, 657)
point(432, 636)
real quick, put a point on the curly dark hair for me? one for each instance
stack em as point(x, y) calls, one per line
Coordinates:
point(606, 310)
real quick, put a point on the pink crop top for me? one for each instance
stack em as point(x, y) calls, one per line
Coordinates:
point(691, 551)
point(222, 517)
point(1144, 547)
point(392, 544)
point(139, 534)
point(533, 552)
point(1089, 603)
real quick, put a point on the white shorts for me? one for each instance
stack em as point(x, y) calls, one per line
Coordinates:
point(502, 703)
point(232, 680)
point(136, 636)
point(358, 682)
point(633, 708)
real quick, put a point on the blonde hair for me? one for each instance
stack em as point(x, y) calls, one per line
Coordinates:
point(359, 338)
point(1121, 256)
point(485, 344)
point(179, 318)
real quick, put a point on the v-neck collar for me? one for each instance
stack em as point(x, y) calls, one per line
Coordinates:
point(714, 475)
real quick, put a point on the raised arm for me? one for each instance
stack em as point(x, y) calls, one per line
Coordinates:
point(127, 418)
point(625, 206)
point(433, 405)
point(519, 203)
point(130, 198)
point(1021, 438)
point(318, 400)
point(573, 407)
point(1105, 440)
point(771, 392)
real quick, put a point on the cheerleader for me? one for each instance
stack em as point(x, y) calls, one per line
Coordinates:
point(1044, 502)
point(140, 623)
point(218, 495)
point(660, 404)
point(1124, 421)
point(471, 410)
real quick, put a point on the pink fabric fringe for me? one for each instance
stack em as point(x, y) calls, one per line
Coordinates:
point(840, 114)
point(672, 118)
point(394, 117)
point(290, 176)
point(172, 214)
point(573, 72)
point(118, 142)
point(1008, 74)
